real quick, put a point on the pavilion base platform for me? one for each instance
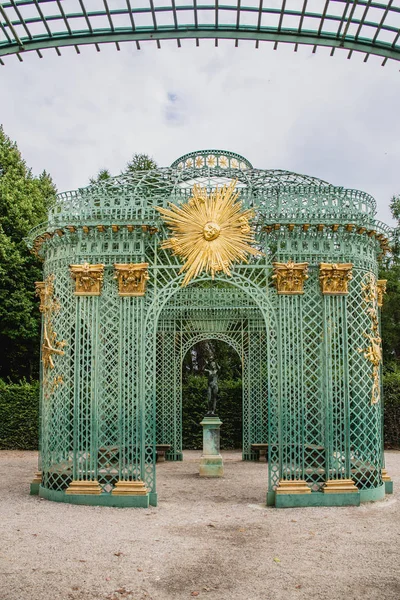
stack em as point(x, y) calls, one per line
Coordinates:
point(297, 500)
point(138, 501)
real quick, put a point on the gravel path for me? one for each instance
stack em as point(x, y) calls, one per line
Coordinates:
point(211, 539)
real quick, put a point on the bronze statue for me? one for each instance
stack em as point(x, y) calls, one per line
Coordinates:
point(212, 390)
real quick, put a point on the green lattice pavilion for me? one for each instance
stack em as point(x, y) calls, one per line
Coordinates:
point(303, 314)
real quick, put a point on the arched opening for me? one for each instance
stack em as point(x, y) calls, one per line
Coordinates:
point(194, 393)
point(229, 316)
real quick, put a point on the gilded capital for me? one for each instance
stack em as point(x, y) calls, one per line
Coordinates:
point(381, 285)
point(334, 278)
point(88, 279)
point(289, 277)
point(132, 278)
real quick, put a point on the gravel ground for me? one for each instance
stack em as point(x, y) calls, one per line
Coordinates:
point(211, 539)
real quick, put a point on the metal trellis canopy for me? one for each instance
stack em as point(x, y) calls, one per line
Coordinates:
point(372, 28)
point(302, 313)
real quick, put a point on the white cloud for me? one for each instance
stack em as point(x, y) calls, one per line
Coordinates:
point(332, 118)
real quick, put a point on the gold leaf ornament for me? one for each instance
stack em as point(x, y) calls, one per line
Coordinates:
point(210, 232)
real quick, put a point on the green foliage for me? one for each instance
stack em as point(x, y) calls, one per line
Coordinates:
point(24, 201)
point(140, 162)
point(102, 175)
point(391, 396)
point(19, 415)
point(194, 407)
point(391, 315)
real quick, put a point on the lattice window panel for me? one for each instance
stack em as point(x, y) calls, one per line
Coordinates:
point(365, 418)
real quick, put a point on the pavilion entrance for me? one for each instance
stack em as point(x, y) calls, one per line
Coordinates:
point(197, 314)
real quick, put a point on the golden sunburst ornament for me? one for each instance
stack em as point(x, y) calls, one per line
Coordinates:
point(209, 232)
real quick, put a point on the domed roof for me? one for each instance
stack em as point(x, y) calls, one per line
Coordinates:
point(276, 195)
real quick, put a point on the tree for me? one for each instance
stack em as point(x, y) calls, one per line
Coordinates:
point(24, 202)
point(390, 270)
point(102, 175)
point(140, 162)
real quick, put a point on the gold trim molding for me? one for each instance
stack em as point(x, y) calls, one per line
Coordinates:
point(289, 277)
point(88, 279)
point(335, 277)
point(340, 486)
point(381, 285)
point(132, 278)
point(298, 486)
point(83, 487)
point(129, 488)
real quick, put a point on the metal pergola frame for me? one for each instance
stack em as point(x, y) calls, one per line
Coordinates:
point(371, 28)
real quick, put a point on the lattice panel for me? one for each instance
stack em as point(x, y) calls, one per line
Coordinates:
point(111, 441)
point(291, 388)
point(337, 391)
point(314, 405)
point(365, 418)
point(57, 400)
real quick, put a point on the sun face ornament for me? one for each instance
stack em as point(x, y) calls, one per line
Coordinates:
point(209, 232)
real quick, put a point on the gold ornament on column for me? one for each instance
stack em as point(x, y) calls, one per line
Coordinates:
point(132, 278)
point(381, 283)
point(210, 232)
point(335, 277)
point(373, 353)
point(49, 306)
point(289, 277)
point(88, 279)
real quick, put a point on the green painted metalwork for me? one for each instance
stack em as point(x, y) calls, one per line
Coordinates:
point(355, 26)
point(306, 384)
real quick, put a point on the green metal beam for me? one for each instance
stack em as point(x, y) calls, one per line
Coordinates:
point(356, 26)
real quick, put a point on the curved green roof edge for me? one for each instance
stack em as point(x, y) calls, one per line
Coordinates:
point(372, 28)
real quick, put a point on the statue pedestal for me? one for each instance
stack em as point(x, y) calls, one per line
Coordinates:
point(211, 464)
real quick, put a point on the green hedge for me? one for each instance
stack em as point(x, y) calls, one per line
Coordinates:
point(19, 413)
point(391, 395)
point(19, 416)
point(229, 409)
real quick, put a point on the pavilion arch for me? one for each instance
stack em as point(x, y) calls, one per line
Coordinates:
point(228, 314)
point(363, 26)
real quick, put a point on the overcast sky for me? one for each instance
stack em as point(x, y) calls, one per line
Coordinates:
point(332, 118)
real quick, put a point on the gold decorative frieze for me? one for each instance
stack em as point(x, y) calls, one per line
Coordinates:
point(289, 277)
point(340, 486)
point(335, 277)
point(373, 353)
point(51, 347)
point(129, 488)
point(83, 487)
point(88, 279)
point(132, 278)
point(297, 486)
point(210, 232)
point(381, 283)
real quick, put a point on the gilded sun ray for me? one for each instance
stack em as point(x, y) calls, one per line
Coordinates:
point(210, 232)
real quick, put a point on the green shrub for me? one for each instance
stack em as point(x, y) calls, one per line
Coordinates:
point(391, 396)
point(19, 415)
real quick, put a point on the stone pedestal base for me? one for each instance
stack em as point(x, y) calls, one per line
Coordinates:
point(211, 464)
